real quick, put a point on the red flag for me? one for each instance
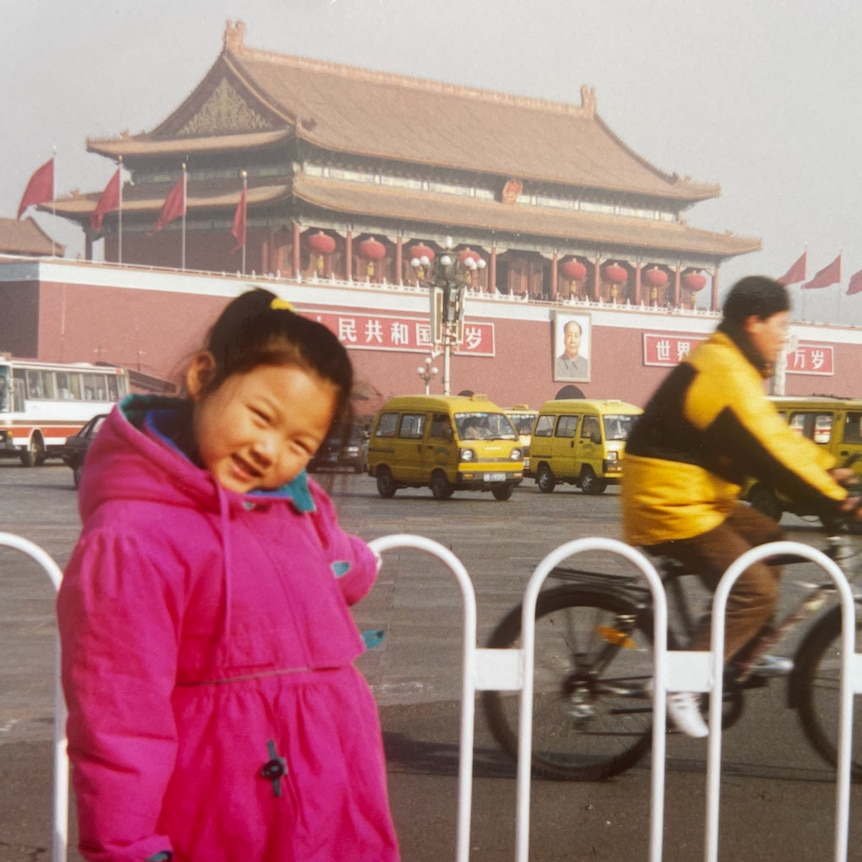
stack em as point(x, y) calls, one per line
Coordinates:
point(238, 229)
point(174, 205)
point(108, 202)
point(796, 273)
point(855, 285)
point(40, 188)
point(828, 275)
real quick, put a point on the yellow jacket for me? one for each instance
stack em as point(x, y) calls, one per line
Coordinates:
point(706, 430)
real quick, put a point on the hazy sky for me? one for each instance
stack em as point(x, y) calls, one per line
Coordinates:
point(762, 97)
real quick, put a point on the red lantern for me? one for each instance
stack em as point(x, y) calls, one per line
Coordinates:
point(417, 252)
point(468, 254)
point(371, 249)
point(574, 269)
point(614, 273)
point(655, 277)
point(694, 280)
point(320, 243)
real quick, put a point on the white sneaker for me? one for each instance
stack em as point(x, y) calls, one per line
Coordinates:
point(683, 707)
point(769, 666)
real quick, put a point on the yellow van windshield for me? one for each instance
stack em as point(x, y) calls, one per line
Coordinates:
point(479, 425)
point(619, 427)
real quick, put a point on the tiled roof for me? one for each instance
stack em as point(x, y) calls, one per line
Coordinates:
point(131, 145)
point(149, 199)
point(26, 237)
point(577, 227)
point(386, 116)
point(394, 117)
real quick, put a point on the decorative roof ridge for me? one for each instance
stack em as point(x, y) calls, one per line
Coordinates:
point(673, 178)
point(242, 53)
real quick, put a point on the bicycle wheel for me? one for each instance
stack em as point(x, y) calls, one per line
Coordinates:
point(592, 715)
point(818, 676)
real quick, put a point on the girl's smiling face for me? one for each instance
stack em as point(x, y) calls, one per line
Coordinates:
point(259, 429)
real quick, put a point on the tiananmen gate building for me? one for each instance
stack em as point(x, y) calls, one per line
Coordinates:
point(350, 177)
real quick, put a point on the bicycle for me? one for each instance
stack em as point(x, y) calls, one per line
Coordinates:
point(592, 705)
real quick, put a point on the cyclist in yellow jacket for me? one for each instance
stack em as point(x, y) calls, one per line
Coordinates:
point(707, 428)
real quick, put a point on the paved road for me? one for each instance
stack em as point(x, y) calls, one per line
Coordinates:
point(777, 798)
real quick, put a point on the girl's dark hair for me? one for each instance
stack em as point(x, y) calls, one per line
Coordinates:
point(257, 328)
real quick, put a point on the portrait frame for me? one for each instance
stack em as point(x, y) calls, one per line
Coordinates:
point(563, 370)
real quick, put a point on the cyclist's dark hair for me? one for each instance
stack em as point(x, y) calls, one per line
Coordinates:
point(755, 295)
point(257, 328)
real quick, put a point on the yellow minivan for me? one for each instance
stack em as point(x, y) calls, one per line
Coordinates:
point(522, 417)
point(580, 441)
point(832, 423)
point(447, 443)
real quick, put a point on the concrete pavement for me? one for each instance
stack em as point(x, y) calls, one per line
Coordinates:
point(777, 798)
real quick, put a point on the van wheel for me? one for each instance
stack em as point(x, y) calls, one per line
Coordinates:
point(502, 492)
point(764, 500)
point(545, 479)
point(34, 455)
point(441, 487)
point(386, 486)
point(590, 483)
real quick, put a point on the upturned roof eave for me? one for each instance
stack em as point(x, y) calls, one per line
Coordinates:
point(142, 147)
point(567, 227)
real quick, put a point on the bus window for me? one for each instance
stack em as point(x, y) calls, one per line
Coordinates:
point(34, 384)
point(4, 389)
point(113, 395)
point(49, 386)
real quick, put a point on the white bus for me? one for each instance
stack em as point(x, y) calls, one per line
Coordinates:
point(43, 403)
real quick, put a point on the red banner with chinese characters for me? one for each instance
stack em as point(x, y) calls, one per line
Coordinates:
point(812, 359)
point(668, 350)
point(402, 334)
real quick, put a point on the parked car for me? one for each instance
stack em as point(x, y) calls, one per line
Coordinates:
point(582, 442)
point(447, 443)
point(75, 449)
point(344, 448)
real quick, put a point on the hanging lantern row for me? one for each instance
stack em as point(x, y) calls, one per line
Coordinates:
point(694, 280)
point(471, 260)
point(614, 273)
point(421, 255)
point(320, 243)
point(574, 269)
point(655, 277)
point(371, 249)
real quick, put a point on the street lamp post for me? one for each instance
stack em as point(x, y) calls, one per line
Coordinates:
point(447, 280)
point(427, 372)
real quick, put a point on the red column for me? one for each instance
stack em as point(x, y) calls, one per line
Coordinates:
point(296, 260)
point(399, 277)
point(638, 289)
point(492, 271)
point(554, 276)
point(597, 280)
point(348, 256)
point(676, 285)
point(714, 290)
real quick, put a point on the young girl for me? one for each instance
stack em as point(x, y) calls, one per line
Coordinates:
point(214, 711)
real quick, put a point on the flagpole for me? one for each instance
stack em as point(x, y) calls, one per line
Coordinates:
point(185, 207)
point(245, 217)
point(120, 215)
point(54, 197)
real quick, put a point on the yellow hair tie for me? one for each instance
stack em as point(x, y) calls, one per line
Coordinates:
point(279, 303)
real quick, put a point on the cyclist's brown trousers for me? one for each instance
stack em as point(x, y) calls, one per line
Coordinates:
point(753, 598)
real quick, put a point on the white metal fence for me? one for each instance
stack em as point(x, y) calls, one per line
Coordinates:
point(512, 670)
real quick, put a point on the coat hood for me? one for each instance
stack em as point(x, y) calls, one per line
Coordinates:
point(133, 457)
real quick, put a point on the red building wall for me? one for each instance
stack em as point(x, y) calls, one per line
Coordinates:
point(152, 322)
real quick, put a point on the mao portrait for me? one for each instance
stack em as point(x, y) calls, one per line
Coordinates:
point(572, 347)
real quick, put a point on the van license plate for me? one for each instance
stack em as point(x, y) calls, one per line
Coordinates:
point(495, 477)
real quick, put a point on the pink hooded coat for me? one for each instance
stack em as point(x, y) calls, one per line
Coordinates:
point(207, 651)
